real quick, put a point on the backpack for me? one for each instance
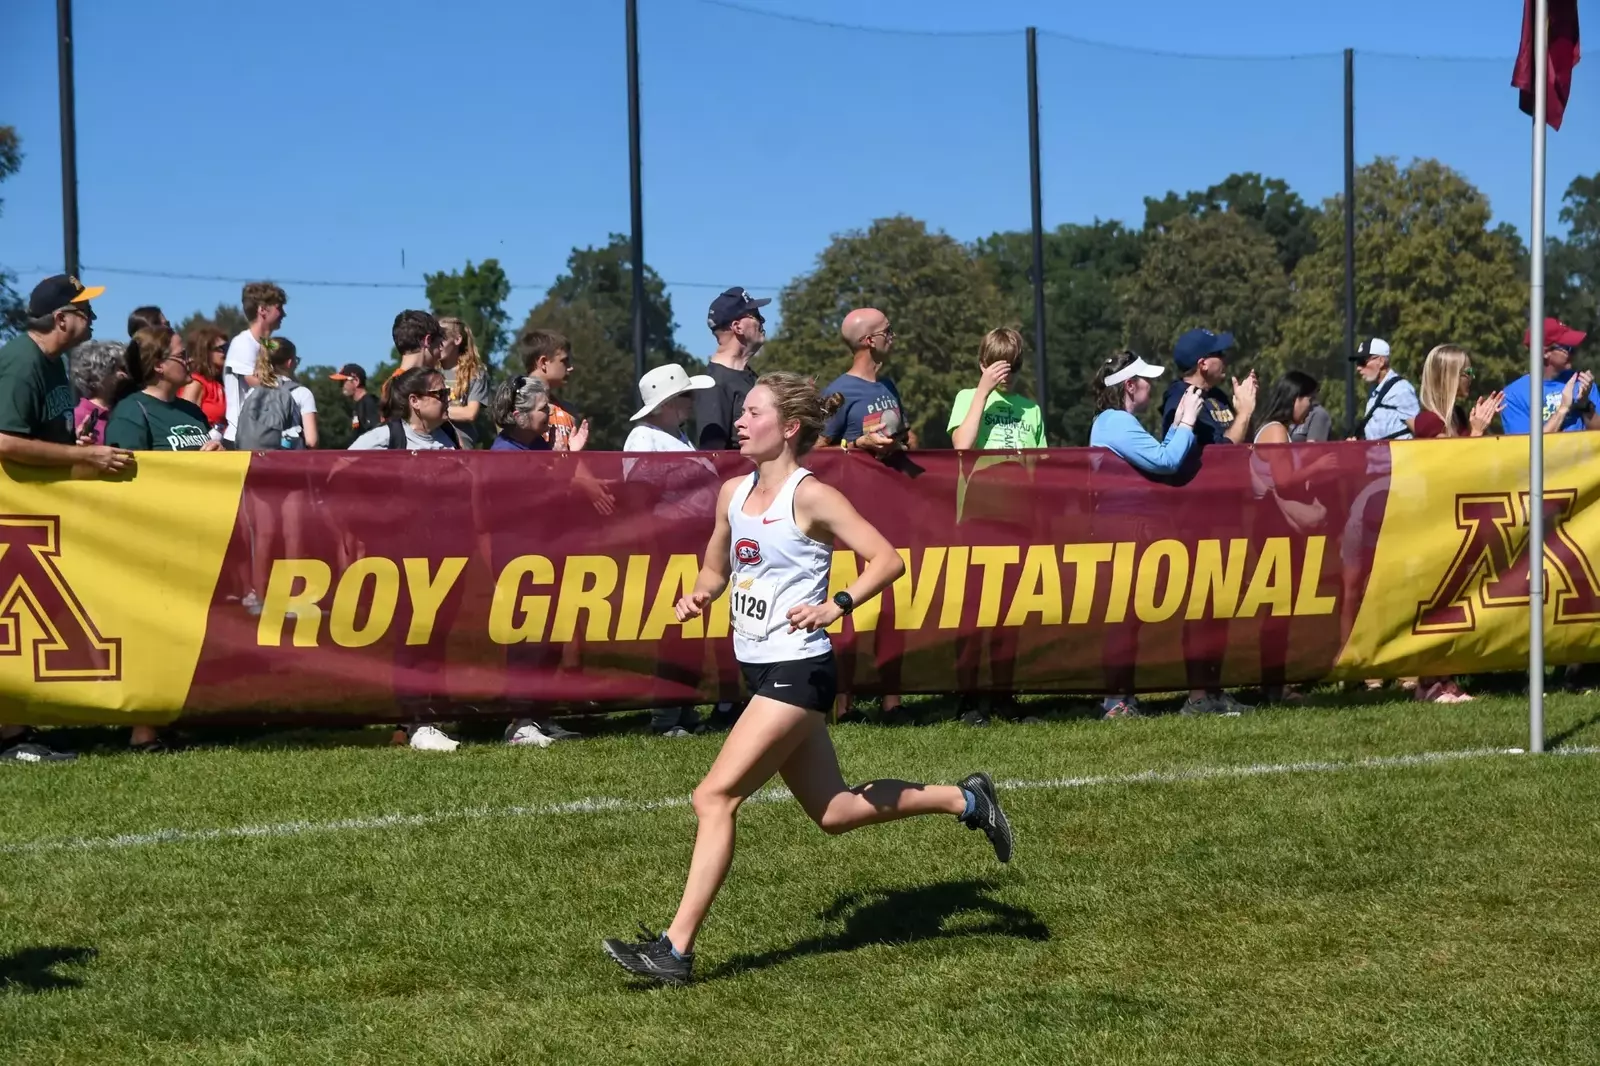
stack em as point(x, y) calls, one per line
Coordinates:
point(264, 416)
point(1377, 405)
point(397, 434)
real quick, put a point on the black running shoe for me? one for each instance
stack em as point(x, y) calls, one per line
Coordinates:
point(31, 752)
point(987, 815)
point(651, 957)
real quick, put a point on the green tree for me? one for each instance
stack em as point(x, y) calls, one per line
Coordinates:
point(1217, 270)
point(227, 317)
point(940, 295)
point(13, 314)
point(1429, 270)
point(1573, 265)
point(1268, 202)
point(592, 304)
point(1083, 319)
point(474, 294)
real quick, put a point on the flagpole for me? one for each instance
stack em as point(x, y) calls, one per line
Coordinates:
point(1541, 75)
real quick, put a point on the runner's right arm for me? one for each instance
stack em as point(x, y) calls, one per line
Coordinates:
point(714, 569)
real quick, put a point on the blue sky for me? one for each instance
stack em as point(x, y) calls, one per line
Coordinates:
point(319, 141)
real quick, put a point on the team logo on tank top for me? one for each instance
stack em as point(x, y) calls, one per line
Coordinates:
point(748, 552)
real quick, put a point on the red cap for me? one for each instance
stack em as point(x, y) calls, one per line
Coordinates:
point(1555, 332)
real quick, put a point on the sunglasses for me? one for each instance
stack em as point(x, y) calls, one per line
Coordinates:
point(442, 395)
point(85, 310)
point(219, 349)
point(1468, 373)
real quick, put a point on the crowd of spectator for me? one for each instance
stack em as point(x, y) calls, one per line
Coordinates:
point(204, 391)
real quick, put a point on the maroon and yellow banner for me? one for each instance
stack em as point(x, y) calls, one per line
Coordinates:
point(318, 586)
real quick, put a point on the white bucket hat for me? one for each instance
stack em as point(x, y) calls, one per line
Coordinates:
point(663, 383)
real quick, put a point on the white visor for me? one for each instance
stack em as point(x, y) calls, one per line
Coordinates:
point(1136, 369)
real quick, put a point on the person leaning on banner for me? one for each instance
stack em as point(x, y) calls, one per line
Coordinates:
point(1569, 395)
point(1123, 393)
point(36, 399)
point(1202, 356)
point(1121, 389)
point(154, 419)
point(36, 403)
point(364, 412)
point(871, 418)
point(1392, 402)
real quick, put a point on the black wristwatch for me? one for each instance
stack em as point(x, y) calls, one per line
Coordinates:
point(843, 601)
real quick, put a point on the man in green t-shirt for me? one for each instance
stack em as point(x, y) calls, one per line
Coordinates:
point(36, 402)
point(36, 399)
point(988, 417)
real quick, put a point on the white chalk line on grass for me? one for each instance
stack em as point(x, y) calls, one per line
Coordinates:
point(612, 805)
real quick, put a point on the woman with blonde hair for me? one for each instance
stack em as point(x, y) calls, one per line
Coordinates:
point(1446, 383)
point(774, 539)
point(275, 367)
point(465, 375)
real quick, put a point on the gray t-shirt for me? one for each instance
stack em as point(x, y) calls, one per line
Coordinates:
point(378, 440)
point(477, 390)
point(1317, 426)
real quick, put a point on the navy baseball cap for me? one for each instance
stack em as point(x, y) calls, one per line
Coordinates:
point(63, 290)
point(1197, 344)
point(731, 306)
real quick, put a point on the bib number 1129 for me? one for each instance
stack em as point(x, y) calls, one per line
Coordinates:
point(750, 603)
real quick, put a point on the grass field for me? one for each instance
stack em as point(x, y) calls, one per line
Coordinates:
point(1355, 907)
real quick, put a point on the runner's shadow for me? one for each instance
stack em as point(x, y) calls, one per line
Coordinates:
point(33, 969)
point(1571, 731)
point(945, 910)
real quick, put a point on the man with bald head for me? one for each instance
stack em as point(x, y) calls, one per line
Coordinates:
point(870, 417)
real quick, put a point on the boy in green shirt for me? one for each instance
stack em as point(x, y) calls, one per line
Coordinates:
point(988, 417)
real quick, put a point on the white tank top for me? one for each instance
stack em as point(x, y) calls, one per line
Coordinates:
point(774, 567)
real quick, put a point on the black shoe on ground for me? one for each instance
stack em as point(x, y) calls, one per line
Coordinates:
point(28, 751)
point(651, 957)
point(987, 815)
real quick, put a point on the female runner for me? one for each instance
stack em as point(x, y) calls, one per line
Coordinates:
point(774, 537)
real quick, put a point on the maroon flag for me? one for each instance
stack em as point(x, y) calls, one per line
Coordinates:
point(1564, 55)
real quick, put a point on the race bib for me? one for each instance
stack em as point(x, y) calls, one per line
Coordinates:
point(750, 602)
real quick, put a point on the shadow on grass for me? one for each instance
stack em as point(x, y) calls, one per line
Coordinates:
point(947, 910)
point(1558, 739)
point(33, 969)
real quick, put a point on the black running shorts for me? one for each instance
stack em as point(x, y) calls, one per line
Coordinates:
point(808, 683)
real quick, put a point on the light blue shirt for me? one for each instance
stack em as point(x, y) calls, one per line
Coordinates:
point(1400, 405)
point(1514, 419)
point(1121, 433)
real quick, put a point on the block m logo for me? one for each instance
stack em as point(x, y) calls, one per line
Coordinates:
point(1491, 567)
point(69, 648)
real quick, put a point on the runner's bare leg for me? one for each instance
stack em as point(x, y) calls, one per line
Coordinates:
point(812, 774)
point(762, 740)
